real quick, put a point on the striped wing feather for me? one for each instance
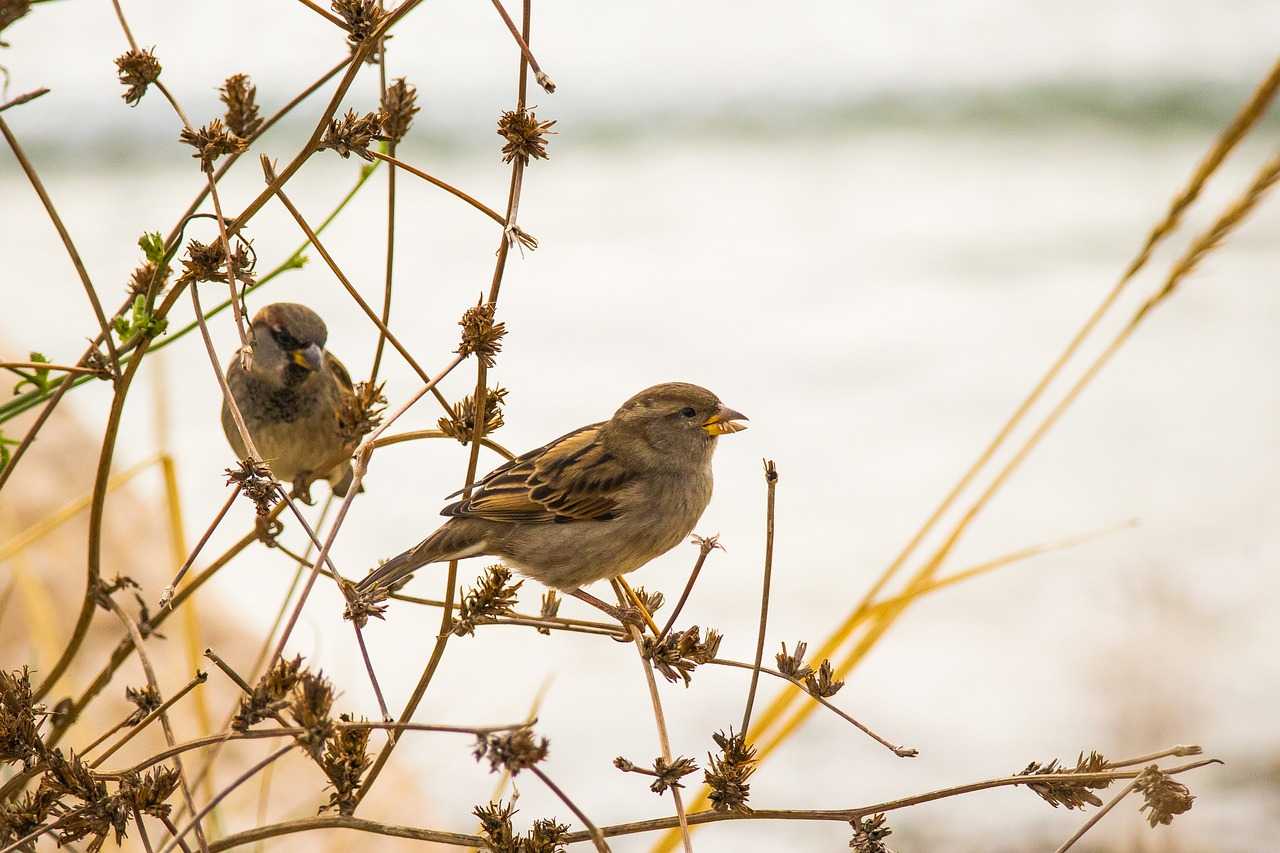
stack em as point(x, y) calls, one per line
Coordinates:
point(574, 478)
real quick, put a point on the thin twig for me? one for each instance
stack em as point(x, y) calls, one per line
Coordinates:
point(22, 99)
point(705, 546)
point(1097, 816)
point(771, 483)
point(164, 706)
point(195, 552)
point(596, 838)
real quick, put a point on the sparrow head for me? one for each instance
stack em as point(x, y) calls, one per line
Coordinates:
point(676, 420)
point(288, 343)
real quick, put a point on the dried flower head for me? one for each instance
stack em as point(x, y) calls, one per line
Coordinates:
point(727, 773)
point(793, 665)
point(461, 423)
point(547, 835)
point(310, 706)
point(652, 601)
point(270, 695)
point(399, 105)
point(517, 235)
point(680, 652)
point(362, 604)
point(667, 774)
point(493, 595)
point(1163, 798)
point(144, 275)
point(1073, 795)
point(363, 412)
point(345, 760)
point(147, 699)
point(99, 813)
point(208, 262)
point(823, 683)
point(240, 97)
point(514, 750)
point(480, 335)
point(20, 741)
point(869, 834)
point(362, 18)
point(137, 70)
point(256, 483)
point(526, 136)
point(495, 823)
point(352, 134)
point(211, 142)
point(148, 791)
point(550, 608)
point(21, 817)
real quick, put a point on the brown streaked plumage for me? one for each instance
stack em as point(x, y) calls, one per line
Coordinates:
point(595, 503)
point(296, 399)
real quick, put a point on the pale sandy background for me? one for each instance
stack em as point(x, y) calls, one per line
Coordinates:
point(867, 227)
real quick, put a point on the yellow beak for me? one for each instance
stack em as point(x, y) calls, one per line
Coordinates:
point(309, 357)
point(722, 422)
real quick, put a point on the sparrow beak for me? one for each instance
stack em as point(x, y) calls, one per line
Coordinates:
point(722, 422)
point(309, 357)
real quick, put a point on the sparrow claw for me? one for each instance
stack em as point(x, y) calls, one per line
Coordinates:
point(302, 489)
point(267, 530)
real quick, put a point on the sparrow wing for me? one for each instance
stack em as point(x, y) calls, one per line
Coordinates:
point(574, 478)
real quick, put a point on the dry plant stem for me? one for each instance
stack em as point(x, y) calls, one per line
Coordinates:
point(41, 830)
point(346, 283)
point(221, 795)
point(415, 435)
point(142, 830)
point(771, 483)
point(102, 737)
point(361, 466)
point(1097, 816)
point(195, 552)
point(391, 242)
point(136, 635)
point(125, 649)
point(329, 16)
point(596, 838)
point(276, 830)
point(22, 99)
point(173, 831)
point(231, 271)
point(373, 678)
point(543, 80)
point(227, 396)
point(659, 719)
point(76, 261)
point(96, 508)
point(900, 751)
point(15, 366)
point(146, 721)
point(449, 188)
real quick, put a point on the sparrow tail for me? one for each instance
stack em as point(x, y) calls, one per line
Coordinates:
point(447, 543)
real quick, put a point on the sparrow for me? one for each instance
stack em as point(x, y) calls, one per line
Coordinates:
point(595, 503)
point(295, 398)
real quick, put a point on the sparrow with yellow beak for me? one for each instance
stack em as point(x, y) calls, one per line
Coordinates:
point(596, 503)
point(294, 398)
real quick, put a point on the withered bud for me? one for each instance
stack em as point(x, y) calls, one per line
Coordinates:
point(1163, 798)
point(823, 683)
point(869, 834)
point(514, 750)
point(793, 665)
point(495, 823)
point(140, 281)
point(256, 483)
point(211, 142)
point(147, 699)
point(345, 760)
point(362, 412)
point(362, 18)
point(269, 695)
point(310, 705)
point(361, 604)
point(547, 835)
point(461, 423)
point(240, 97)
point(493, 595)
point(668, 774)
point(681, 652)
point(727, 773)
point(148, 791)
point(623, 764)
point(652, 601)
point(526, 136)
point(352, 134)
point(20, 741)
point(137, 70)
point(480, 335)
point(399, 105)
point(1073, 795)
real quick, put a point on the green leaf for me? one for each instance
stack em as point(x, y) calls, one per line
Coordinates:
point(38, 380)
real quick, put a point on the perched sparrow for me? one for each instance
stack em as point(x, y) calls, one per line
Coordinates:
point(296, 400)
point(596, 503)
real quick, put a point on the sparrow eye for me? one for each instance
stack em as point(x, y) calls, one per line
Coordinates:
point(285, 340)
point(688, 411)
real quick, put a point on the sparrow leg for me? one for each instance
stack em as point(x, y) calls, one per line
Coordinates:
point(302, 488)
point(627, 615)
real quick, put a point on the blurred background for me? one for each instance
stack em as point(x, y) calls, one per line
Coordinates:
point(868, 226)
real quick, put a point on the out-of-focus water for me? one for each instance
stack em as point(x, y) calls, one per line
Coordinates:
point(876, 283)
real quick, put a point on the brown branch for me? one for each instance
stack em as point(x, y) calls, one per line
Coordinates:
point(771, 483)
point(543, 79)
point(223, 794)
point(167, 596)
point(449, 188)
point(22, 99)
point(200, 678)
point(593, 832)
point(705, 547)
